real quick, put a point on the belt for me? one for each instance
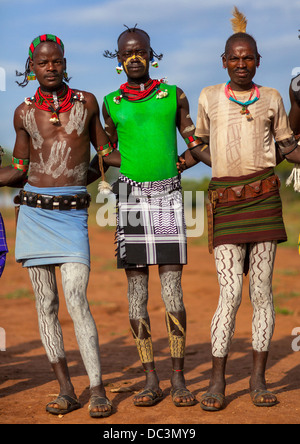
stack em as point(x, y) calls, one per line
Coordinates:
point(48, 202)
point(227, 195)
point(241, 192)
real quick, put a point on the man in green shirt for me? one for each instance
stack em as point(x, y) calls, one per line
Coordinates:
point(143, 117)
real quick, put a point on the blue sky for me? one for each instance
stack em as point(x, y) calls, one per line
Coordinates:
point(191, 34)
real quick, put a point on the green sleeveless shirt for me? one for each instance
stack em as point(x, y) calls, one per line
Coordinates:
point(147, 135)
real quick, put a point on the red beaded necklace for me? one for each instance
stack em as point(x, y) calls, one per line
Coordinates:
point(134, 93)
point(58, 102)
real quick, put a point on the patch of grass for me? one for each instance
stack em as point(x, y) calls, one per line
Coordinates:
point(103, 303)
point(283, 311)
point(284, 296)
point(109, 265)
point(287, 296)
point(20, 293)
point(288, 272)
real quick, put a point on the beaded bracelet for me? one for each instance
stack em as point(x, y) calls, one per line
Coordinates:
point(20, 164)
point(194, 141)
point(105, 150)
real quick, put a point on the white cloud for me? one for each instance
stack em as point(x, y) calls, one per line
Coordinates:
point(147, 12)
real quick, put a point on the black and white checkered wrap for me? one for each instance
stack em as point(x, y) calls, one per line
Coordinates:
point(150, 223)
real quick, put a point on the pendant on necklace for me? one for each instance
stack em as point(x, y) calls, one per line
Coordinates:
point(54, 118)
point(245, 111)
point(55, 100)
point(142, 87)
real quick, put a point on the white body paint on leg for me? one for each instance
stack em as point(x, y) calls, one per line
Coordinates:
point(171, 291)
point(137, 294)
point(46, 298)
point(262, 257)
point(75, 278)
point(230, 265)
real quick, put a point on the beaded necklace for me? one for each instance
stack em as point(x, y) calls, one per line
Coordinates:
point(58, 102)
point(134, 93)
point(231, 96)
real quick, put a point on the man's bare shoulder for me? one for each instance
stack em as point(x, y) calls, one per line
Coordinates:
point(21, 107)
point(85, 95)
point(87, 98)
point(181, 96)
point(19, 112)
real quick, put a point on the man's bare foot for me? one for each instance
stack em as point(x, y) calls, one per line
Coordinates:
point(260, 396)
point(214, 398)
point(99, 405)
point(181, 396)
point(63, 404)
point(151, 394)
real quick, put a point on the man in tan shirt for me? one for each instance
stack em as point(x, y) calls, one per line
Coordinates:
point(240, 146)
point(240, 121)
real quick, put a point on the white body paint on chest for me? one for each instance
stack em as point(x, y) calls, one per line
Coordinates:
point(30, 126)
point(56, 165)
point(77, 119)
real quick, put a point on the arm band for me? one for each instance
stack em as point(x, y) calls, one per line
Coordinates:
point(105, 150)
point(286, 154)
point(20, 164)
point(287, 143)
point(194, 141)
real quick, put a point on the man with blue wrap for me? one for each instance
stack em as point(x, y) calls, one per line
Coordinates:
point(54, 129)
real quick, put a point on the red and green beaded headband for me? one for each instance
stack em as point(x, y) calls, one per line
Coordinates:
point(44, 38)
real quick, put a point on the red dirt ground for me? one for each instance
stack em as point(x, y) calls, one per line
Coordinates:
point(27, 383)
